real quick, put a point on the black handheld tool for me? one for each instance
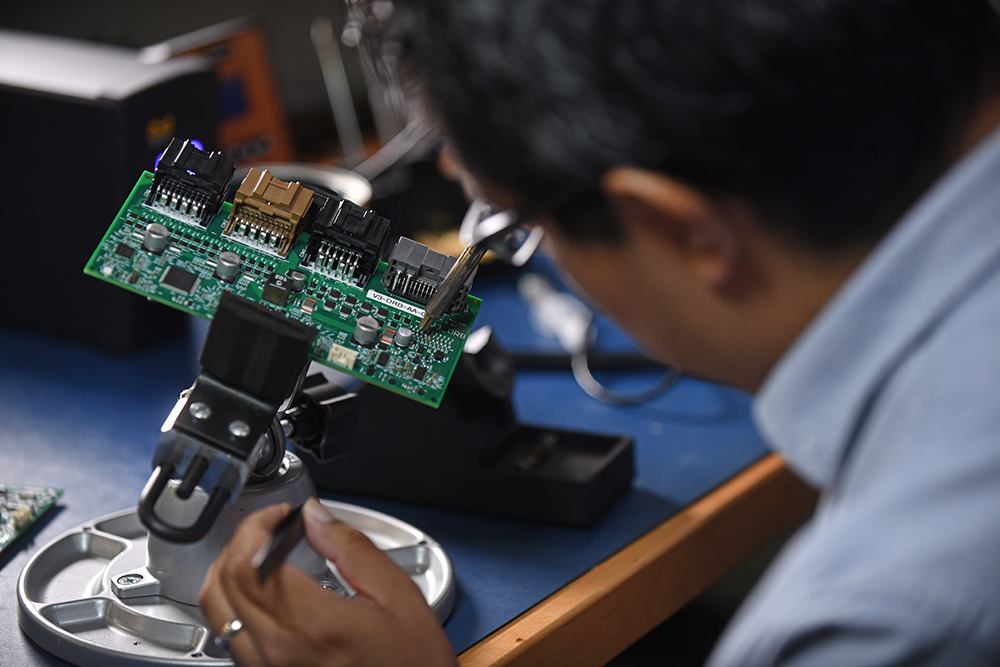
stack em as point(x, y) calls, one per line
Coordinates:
point(286, 535)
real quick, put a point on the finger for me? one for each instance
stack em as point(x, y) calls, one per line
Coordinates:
point(291, 619)
point(255, 530)
point(233, 589)
point(282, 617)
point(212, 598)
point(237, 572)
point(234, 565)
point(264, 640)
point(218, 611)
point(365, 567)
point(217, 599)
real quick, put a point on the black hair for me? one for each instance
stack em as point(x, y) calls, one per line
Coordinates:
point(827, 117)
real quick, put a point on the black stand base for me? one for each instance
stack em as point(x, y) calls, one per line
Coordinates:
point(471, 454)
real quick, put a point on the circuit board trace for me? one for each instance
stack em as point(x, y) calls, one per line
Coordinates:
point(21, 507)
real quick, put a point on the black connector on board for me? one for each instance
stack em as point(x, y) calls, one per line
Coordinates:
point(346, 241)
point(190, 184)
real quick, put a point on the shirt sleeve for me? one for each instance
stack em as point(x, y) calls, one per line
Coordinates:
point(861, 624)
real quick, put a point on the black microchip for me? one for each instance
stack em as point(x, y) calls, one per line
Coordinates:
point(124, 251)
point(395, 316)
point(334, 294)
point(345, 311)
point(367, 307)
point(179, 280)
point(383, 313)
point(277, 289)
point(438, 355)
point(421, 349)
point(275, 294)
point(351, 300)
point(420, 373)
point(383, 359)
point(330, 305)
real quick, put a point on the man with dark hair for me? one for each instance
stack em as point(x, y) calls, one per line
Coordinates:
point(797, 198)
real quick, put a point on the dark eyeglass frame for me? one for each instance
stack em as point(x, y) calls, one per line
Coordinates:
point(512, 234)
point(515, 236)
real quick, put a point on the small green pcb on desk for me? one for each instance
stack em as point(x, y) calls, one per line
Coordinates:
point(21, 507)
point(308, 256)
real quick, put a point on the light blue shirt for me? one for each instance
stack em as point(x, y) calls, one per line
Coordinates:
point(889, 402)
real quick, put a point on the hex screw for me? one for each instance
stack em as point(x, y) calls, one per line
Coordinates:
point(239, 428)
point(200, 410)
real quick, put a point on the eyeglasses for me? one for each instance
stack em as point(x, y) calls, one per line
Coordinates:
point(511, 234)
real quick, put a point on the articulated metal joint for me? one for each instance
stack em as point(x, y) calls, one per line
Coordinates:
point(213, 439)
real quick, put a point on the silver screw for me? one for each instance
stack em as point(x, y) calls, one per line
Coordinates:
point(239, 428)
point(200, 410)
point(129, 579)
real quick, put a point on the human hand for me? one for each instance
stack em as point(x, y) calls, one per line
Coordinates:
point(291, 620)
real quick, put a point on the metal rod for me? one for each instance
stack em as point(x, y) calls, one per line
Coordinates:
point(452, 284)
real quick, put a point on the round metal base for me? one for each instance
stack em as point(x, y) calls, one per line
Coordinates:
point(80, 600)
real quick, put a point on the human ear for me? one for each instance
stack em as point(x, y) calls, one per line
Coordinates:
point(671, 218)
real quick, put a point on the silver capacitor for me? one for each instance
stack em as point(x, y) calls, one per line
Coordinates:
point(156, 237)
point(297, 280)
point(404, 335)
point(366, 330)
point(228, 265)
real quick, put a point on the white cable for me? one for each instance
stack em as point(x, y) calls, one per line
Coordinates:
point(562, 316)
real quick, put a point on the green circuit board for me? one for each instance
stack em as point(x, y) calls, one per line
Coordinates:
point(21, 507)
point(184, 274)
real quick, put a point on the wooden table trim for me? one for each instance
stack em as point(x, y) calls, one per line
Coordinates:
point(602, 612)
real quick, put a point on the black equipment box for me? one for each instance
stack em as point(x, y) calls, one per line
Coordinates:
point(79, 120)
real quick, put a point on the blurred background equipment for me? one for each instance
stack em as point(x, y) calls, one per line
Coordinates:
point(252, 122)
point(79, 121)
point(280, 34)
point(269, 103)
point(352, 144)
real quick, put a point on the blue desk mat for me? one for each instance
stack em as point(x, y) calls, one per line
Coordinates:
point(86, 421)
point(687, 442)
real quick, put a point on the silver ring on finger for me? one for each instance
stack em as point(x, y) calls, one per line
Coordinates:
point(229, 630)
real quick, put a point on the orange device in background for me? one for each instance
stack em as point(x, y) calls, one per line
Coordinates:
point(253, 127)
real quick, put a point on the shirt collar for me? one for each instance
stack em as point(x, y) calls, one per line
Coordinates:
point(814, 399)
